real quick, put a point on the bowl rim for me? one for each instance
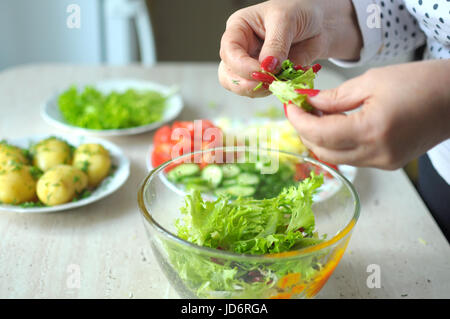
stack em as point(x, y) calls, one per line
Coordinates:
point(341, 234)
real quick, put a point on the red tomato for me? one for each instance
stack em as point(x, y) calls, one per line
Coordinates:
point(184, 145)
point(188, 125)
point(302, 171)
point(206, 124)
point(161, 154)
point(162, 135)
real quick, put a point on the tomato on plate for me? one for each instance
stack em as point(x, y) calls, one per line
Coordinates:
point(161, 154)
point(163, 135)
point(169, 143)
point(188, 125)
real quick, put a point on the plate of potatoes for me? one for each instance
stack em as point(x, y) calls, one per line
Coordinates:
point(45, 173)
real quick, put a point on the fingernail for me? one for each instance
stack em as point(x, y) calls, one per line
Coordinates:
point(270, 64)
point(309, 92)
point(285, 110)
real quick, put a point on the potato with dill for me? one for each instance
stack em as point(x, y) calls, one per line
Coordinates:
point(51, 152)
point(61, 184)
point(17, 183)
point(93, 159)
point(11, 154)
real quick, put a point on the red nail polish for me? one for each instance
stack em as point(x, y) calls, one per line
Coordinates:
point(309, 92)
point(269, 64)
point(285, 109)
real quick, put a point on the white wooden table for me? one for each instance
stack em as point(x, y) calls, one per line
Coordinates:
point(106, 241)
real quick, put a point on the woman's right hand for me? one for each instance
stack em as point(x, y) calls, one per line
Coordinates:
point(301, 30)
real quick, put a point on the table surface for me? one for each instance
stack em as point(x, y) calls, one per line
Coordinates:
point(105, 242)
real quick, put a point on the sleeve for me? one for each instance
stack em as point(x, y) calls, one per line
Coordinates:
point(388, 30)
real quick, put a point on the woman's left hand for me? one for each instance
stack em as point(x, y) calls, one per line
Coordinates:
point(405, 111)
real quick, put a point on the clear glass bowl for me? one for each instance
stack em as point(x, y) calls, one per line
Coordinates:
point(201, 272)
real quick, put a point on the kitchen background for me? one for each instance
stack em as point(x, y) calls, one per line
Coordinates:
point(118, 32)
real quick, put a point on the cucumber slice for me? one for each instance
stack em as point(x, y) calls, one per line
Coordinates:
point(213, 174)
point(193, 180)
point(229, 182)
point(201, 188)
point(248, 167)
point(248, 179)
point(181, 171)
point(230, 170)
point(243, 191)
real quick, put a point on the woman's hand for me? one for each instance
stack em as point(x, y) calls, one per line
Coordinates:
point(301, 30)
point(405, 112)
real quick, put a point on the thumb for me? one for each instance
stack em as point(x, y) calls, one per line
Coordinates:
point(278, 39)
point(345, 97)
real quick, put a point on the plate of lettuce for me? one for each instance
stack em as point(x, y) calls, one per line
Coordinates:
point(112, 107)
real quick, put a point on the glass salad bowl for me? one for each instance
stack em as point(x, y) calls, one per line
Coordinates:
point(247, 223)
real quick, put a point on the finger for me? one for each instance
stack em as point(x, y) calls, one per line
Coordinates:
point(278, 37)
point(348, 96)
point(354, 157)
point(306, 52)
point(237, 84)
point(336, 131)
point(235, 50)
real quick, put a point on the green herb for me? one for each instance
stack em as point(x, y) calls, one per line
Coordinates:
point(85, 166)
point(212, 105)
point(84, 194)
point(235, 82)
point(32, 204)
point(287, 80)
point(35, 172)
point(92, 109)
point(271, 112)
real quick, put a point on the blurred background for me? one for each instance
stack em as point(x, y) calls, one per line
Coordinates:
point(119, 32)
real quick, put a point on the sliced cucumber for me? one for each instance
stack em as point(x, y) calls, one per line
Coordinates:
point(181, 171)
point(201, 188)
point(243, 191)
point(213, 174)
point(193, 180)
point(248, 167)
point(229, 182)
point(248, 179)
point(230, 170)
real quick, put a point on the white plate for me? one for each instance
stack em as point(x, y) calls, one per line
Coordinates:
point(107, 187)
point(52, 115)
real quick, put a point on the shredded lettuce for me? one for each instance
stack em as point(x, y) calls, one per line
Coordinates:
point(92, 109)
point(288, 80)
point(285, 90)
point(246, 226)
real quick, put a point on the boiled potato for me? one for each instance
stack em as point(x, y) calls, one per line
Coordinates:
point(10, 154)
point(61, 184)
point(51, 152)
point(94, 160)
point(17, 184)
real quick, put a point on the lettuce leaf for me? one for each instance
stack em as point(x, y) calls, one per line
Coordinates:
point(90, 108)
point(285, 90)
point(245, 226)
point(251, 226)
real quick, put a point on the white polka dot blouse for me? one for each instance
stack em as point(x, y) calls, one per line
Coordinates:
point(392, 28)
